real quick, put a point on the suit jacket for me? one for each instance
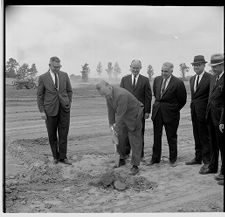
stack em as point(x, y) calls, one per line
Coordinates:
point(172, 100)
point(124, 108)
point(49, 98)
point(142, 90)
point(215, 104)
point(199, 98)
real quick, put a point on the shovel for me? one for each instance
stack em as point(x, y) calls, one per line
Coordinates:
point(115, 142)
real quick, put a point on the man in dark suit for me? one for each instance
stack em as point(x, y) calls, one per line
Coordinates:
point(170, 97)
point(199, 85)
point(214, 115)
point(139, 86)
point(125, 117)
point(54, 97)
point(220, 178)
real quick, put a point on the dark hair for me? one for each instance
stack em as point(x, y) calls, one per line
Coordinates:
point(54, 59)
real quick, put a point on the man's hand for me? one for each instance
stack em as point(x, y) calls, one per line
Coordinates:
point(146, 115)
point(43, 116)
point(221, 127)
point(113, 129)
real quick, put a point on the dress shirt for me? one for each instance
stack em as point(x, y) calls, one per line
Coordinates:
point(137, 76)
point(53, 76)
point(200, 77)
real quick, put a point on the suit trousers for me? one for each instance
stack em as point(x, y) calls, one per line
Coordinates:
point(59, 123)
point(216, 146)
point(126, 143)
point(171, 133)
point(135, 141)
point(201, 137)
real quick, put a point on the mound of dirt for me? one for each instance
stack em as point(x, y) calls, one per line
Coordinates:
point(113, 179)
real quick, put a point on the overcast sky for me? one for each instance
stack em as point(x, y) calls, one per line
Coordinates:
point(79, 34)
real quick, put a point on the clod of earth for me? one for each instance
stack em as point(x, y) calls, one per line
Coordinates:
point(119, 185)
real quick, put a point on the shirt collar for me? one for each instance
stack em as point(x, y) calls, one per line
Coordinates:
point(168, 79)
point(136, 76)
point(52, 72)
point(221, 74)
point(200, 76)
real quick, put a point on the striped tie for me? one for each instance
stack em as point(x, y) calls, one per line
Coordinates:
point(163, 86)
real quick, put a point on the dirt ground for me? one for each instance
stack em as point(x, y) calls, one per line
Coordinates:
point(33, 184)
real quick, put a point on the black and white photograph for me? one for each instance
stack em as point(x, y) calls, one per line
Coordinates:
point(113, 109)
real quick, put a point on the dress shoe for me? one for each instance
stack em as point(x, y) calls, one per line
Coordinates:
point(55, 161)
point(126, 156)
point(193, 161)
point(207, 171)
point(219, 177)
point(203, 168)
point(65, 161)
point(173, 163)
point(220, 182)
point(134, 170)
point(152, 162)
point(121, 163)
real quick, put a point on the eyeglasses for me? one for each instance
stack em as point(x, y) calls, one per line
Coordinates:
point(164, 71)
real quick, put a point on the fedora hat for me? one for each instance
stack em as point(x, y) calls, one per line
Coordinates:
point(216, 59)
point(199, 59)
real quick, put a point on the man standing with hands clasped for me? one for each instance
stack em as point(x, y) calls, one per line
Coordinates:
point(54, 97)
point(170, 97)
point(199, 86)
point(139, 86)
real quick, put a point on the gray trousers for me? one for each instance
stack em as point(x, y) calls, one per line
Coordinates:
point(135, 139)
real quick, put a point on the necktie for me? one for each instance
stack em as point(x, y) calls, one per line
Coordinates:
point(134, 82)
point(56, 81)
point(197, 82)
point(163, 86)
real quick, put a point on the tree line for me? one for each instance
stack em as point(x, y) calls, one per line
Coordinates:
point(112, 71)
point(20, 72)
point(24, 71)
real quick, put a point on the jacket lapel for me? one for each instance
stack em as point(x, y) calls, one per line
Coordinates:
point(168, 86)
point(201, 82)
point(60, 79)
point(137, 82)
point(159, 86)
point(213, 85)
point(130, 81)
point(192, 83)
point(49, 79)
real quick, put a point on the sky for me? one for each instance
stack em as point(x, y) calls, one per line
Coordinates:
point(93, 34)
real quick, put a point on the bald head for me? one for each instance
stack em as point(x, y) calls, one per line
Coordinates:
point(135, 67)
point(167, 69)
point(136, 63)
point(104, 88)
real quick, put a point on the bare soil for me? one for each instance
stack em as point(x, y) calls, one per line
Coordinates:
point(34, 184)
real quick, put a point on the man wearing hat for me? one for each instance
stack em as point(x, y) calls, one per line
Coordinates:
point(199, 86)
point(54, 97)
point(214, 115)
point(139, 86)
